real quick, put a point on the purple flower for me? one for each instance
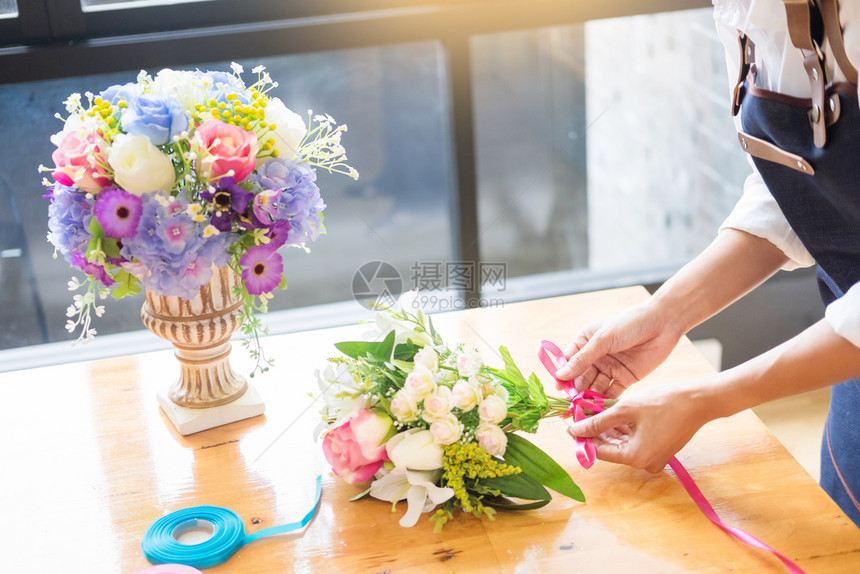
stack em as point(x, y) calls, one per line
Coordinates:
point(159, 119)
point(94, 269)
point(262, 268)
point(118, 212)
point(264, 211)
point(278, 233)
point(230, 202)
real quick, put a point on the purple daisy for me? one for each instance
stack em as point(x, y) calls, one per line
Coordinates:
point(262, 268)
point(118, 212)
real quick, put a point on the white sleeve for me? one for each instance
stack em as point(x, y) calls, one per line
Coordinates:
point(757, 213)
point(843, 315)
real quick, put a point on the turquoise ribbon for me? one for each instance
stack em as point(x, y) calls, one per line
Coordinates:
point(160, 544)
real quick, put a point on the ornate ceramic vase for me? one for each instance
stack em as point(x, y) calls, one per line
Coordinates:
point(200, 331)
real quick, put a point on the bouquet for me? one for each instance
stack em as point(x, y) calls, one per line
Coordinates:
point(157, 182)
point(434, 425)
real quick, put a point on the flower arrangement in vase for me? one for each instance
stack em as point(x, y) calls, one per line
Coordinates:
point(167, 183)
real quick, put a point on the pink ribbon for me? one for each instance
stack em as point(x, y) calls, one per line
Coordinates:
point(553, 359)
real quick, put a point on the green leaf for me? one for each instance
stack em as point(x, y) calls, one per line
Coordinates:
point(513, 372)
point(126, 284)
point(537, 391)
point(519, 485)
point(540, 466)
point(507, 504)
point(360, 495)
point(406, 351)
point(376, 351)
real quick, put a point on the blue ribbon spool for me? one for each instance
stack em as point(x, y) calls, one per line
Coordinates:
point(161, 545)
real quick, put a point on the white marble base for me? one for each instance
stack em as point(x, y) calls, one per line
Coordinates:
point(189, 421)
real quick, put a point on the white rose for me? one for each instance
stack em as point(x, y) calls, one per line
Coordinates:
point(466, 395)
point(188, 88)
point(492, 439)
point(404, 406)
point(492, 409)
point(140, 167)
point(289, 131)
point(438, 404)
point(420, 382)
point(469, 363)
point(447, 429)
point(414, 449)
point(427, 357)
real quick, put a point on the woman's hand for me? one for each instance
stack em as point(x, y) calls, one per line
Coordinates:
point(646, 429)
point(610, 355)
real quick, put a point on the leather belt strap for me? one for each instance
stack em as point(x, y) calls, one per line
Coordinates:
point(802, 16)
point(764, 150)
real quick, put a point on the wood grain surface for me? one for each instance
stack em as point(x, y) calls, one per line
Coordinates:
point(90, 462)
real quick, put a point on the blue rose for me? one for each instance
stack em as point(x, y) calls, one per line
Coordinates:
point(159, 119)
point(116, 93)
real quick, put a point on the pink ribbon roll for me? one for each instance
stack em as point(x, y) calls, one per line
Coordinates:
point(553, 359)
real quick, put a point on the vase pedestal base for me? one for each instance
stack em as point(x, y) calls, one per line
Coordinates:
point(189, 421)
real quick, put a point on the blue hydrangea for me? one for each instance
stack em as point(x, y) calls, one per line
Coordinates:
point(69, 217)
point(170, 254)
point(300, 201)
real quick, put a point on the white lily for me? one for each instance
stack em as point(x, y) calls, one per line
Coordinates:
point(416, 486)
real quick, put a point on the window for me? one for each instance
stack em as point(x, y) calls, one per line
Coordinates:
point(8, 8)
point(588, 158)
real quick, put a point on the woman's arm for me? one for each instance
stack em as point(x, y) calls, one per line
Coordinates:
point(621, 350)
point(645, 429)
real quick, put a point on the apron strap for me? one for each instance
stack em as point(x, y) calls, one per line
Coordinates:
point(833, 30)
point(747, 50)
point(806, 29)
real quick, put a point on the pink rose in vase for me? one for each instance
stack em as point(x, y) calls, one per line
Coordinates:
point(80, 162)
point(229, 148)
point(356, 449)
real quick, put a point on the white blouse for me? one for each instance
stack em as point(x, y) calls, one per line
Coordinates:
point(780, 69)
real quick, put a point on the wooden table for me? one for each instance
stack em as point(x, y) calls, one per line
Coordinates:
point(90, 462)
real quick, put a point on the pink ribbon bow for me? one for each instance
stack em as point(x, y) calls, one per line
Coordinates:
point(586, 453)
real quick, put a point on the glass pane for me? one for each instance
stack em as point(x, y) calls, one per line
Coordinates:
point(393, 100)
point(8, 8)
point(600, 154)
point(90, 5)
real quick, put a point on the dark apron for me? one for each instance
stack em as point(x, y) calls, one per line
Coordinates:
point(824, 210)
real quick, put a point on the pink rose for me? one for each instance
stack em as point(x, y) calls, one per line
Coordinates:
point(230, 148)
point(80, 162)
point(356, 449)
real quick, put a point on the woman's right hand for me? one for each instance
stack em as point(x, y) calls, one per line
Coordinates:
point(610, 355)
